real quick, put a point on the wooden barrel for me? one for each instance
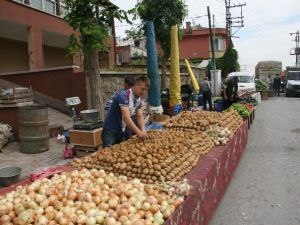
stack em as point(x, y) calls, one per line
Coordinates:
point(33, 129)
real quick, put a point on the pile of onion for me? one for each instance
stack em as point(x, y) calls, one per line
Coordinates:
point(86, 197)
point(231, 120)
point(220, 135)
point(168, 155)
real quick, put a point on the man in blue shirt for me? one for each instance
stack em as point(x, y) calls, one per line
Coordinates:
point(125, 104)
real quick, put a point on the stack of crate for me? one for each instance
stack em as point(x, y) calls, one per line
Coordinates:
point(16, 95)
point(86, 141)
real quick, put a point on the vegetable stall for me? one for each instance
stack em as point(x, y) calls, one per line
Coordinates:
point(178, 176)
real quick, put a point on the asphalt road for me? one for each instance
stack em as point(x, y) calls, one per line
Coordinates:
point(265, 189)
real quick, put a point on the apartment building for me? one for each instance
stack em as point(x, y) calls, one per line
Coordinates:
point(195, 42)
point(33, 36)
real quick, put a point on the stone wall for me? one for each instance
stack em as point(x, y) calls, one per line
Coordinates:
point(110, 82)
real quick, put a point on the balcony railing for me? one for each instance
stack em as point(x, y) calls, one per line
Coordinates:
point(54, 7)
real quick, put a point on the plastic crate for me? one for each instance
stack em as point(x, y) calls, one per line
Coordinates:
point(200, 100)
point(219, 106)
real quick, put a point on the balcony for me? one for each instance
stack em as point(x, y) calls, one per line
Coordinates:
point(53, 7)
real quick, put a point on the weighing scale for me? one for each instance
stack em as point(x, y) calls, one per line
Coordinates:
point(80, 124)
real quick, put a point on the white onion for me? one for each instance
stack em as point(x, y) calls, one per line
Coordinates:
point(63, 221)
point(91, 221)
point(113, 203)
point(100, 181)
point(39, 211)
point(110, 221)
point(99, 219)
point(101, 213)
point(91, 212)
point(58, 216)
point(86, 197)
point(25, 218)
point(146, 206)
point(39, 198)
point(9, 206)
point(138, 205)
point(45, 203)
point(4, 219)
point(81, 219)
point(3, 210)
point(42, 220)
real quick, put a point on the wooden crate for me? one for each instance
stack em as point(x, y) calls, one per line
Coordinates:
point(270, 93)
point(89, 138)
point(264, 95)
point(81, 151)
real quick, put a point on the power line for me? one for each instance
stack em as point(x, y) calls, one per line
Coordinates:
point(296, 51)
point(236, 22)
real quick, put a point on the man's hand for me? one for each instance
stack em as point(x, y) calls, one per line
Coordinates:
point(225, 97)
point(143, 135)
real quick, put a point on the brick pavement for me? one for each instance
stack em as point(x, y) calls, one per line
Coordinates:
point(30, 162)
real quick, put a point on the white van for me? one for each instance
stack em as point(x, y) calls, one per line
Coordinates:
point(293, 83)
point(246, 80)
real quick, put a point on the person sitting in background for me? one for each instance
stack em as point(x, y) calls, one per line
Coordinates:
point(186, 91)
point(206, 93)
point(230, 90)
point(125, 104)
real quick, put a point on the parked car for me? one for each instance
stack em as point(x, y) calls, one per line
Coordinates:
point(292, 83)
point(246, 80)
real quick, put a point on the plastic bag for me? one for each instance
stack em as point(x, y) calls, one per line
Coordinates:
point(44, 173)
point(68, 152)
point(154, 126)
point(61, 139)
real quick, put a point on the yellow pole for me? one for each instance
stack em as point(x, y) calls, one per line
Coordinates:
point(175, 97)
point(192, 75)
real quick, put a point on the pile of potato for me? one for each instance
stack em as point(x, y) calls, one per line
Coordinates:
point(167, 156)
point(203, 120)
point(199, 120)
point(230, 119)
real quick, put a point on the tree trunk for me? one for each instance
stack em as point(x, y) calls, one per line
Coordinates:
point(92, 71)
point(163, 83)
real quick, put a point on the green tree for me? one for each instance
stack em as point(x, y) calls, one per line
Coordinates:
point(92, 20)
point(164, 14)
point(134, 33)
point(229, 62)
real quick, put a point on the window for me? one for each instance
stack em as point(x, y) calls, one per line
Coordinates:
point(219, 44)
point(293, 76)
point(137, 43)
point(50, 6)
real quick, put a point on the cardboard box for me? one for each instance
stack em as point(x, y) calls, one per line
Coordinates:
point(90, 138)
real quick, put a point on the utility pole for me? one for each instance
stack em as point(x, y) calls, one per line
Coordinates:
point(211, 36)
point(212, 50)
point(233, 22)
point(214, 39)
point(297, 48)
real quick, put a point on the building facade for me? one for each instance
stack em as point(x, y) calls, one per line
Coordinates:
point(130, 49)
point(33, 36)
point(195, 43)
point(263, 69)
